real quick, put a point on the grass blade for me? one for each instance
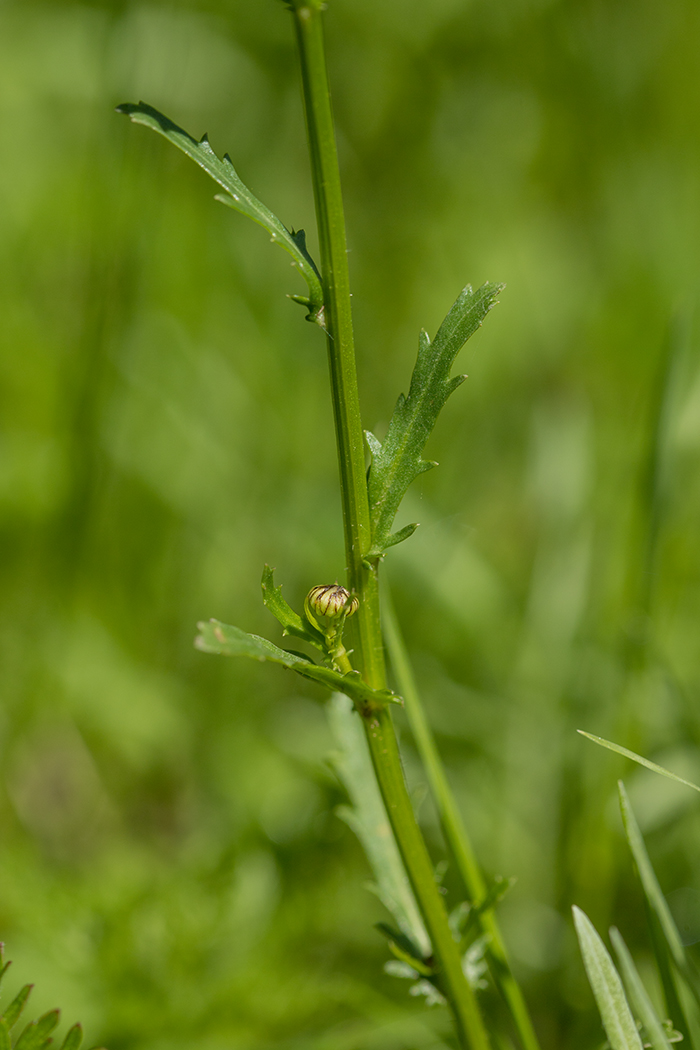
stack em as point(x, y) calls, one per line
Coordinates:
point(638, 994)
point(606, 985)
point(637, 758)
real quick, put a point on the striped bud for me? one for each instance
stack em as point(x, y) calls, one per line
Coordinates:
point(331, 601)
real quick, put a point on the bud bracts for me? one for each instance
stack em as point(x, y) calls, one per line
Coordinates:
point(331, 601)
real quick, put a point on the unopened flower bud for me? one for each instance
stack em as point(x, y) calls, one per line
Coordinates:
point(331, 601)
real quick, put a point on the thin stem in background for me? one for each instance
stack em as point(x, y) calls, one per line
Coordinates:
point(454, 830)
point(362, 580)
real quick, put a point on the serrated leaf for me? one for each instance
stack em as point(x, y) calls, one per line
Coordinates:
point(216, 637)
point(73, 1038)
point(637, 758)
point(638, 994)
point(36, 1035)
point(14, 1010)
point(606, 986)
point(237, 196)
point(368, 819)
point(397, 461)
point(291, 621)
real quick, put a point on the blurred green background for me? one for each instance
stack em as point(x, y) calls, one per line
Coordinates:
point(172, 871)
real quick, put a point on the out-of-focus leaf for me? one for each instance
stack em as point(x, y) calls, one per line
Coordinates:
point(404, 949)
point(653, 892)
point(396, 461)
point(291, 621)
point(638, 758)
point(216, 637)
point(14, 1010)
point(367, 818)
point(237, 196)
point(605, 982)
point(638, 994)
point(5, 1040)
point(36, 1035)
point(73, 1038)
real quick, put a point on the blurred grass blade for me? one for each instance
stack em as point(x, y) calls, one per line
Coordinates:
point(637, 758)
point(638, 994)
point(73, 1038)
point(367, 818)
point(396, 462)
point(605, 982)
point(237, 196)
point(14, 1010)
point(650, 883)
point(482, 899)
point(222, 638)
point(5, 1040)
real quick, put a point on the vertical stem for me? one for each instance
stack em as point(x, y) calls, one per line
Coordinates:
point(453, 827)
point(362, 579)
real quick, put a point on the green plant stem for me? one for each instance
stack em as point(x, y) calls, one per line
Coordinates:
point(454, 830)
point(362, 579)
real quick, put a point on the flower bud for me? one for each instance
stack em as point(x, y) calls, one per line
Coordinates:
point(331, 601)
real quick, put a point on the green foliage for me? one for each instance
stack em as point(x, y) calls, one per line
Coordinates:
point(238, 197)
point(639, 759)
point(37, 1034)
point(397, 462)
point(290, 620)
point(366, 815)
point(606, 985)
point(216, 637)
point(643, 1007)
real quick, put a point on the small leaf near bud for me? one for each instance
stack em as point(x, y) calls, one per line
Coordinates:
point(331, 601)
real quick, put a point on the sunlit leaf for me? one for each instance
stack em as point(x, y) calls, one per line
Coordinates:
point(216, 637)
point(396, 462)
point(606, 986)
point(237, 196)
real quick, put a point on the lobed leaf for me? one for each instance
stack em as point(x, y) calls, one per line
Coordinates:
point(638, 994)
point(237, 196)
point(291, 621)
point(397, 461)
point(36, 1035)
point(638, 758)
point(606, 985)
point(216, 637)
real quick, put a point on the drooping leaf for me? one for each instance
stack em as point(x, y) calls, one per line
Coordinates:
point(638, 758)
point(14, 1010)
point(654, 896)
point(291, 621)
point(237, 196)
point(216, 637)
point(637, 993)
point(368, 819)
point(606, 986)
point(73, 1038)
point(36, 1035)
point(396, 461)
